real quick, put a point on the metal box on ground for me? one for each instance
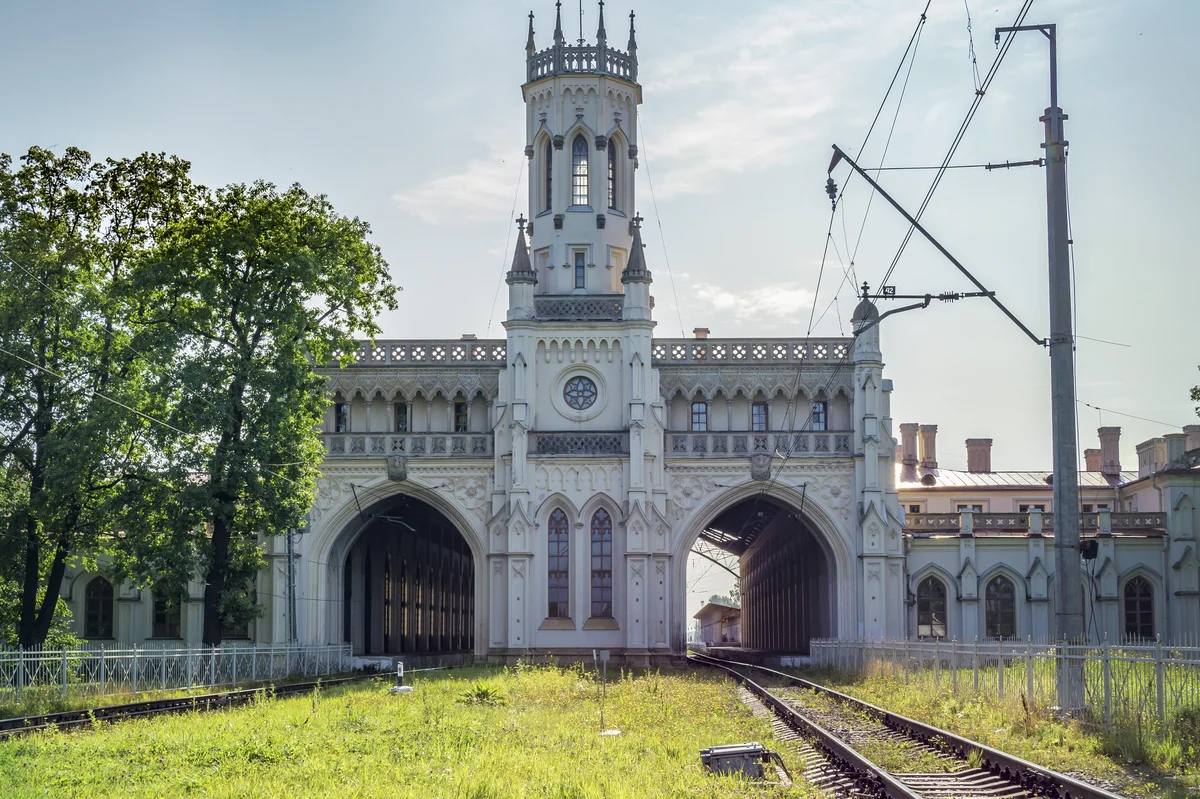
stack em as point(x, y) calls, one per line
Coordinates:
point(747, 759)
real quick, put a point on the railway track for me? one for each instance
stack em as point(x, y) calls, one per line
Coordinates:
point(74, 719)
point(840, 738)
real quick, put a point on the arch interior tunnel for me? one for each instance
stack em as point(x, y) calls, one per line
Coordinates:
point(408, 583)
point(786, 583)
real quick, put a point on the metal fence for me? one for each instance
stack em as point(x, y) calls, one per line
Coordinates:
point(104, 670)
point(1147, 684)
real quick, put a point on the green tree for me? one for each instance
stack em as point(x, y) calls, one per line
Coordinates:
point(257, 285)
point(75, 371)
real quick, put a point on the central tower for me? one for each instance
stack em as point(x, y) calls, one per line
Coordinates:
point(581, 103)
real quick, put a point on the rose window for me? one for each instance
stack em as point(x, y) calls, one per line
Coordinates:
point(579, 393)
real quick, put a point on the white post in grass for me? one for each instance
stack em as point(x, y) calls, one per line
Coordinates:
point(1029, 669)
point(1159, 673)
point(1106, 660)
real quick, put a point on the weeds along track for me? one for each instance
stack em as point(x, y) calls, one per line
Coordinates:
point(75, 719)
point(855, 749)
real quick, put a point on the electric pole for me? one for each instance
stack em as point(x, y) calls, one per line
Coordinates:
point(1068, 596)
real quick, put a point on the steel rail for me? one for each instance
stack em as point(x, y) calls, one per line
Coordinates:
point(870, 776)
point(1018, 770)
point(86, 717)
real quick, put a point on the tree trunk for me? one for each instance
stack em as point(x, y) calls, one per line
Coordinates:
point(214, 580)
point(29, 584)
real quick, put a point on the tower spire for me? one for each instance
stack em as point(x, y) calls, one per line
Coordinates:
point(529, 45)
point(632, 35)
point(600, 34)
point(558, 34)
point(522, 269)
point(635, 269)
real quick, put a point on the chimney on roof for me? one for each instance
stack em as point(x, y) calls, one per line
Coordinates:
point(908, 451)
point(1192, 431)
point(928, 446)
point(700, 332)
point(470, 337)
point(1147, 453)
point(1110, 450)
point(1091, 460)
point(979, 455)
point(1176, 449)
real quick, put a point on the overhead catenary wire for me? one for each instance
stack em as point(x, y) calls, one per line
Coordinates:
point(504, 249)
point(958, 137)
point(661, 235)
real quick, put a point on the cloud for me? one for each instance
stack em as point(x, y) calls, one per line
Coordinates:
point(755, 91)
point(785, 301)
point(482, 189)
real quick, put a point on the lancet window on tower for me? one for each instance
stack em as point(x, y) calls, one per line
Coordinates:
point(579, 171)
point(612, 176)
point(548, 168)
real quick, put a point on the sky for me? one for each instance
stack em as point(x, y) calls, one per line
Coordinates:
point(409, 115)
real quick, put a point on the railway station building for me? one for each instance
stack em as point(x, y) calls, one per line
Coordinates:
point(540, 493)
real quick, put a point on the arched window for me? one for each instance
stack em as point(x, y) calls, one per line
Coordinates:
point(167, 611)
point(931, 608)
point(98, 609)
point(558, 565)
point(1000, 608)
point(612, 176)
point(548, 165)
point(699, 416)
point(602, 576)
point(1139, 608)
point(579, 171)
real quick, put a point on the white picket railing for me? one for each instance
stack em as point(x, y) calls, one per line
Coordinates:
point(113, 670)
point(1149, 682)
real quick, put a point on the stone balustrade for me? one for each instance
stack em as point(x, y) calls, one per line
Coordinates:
point(740, 443)
point(581, 58)
point(1101, 523)
point(492, 352)
point(750, 350)
point(437, 445)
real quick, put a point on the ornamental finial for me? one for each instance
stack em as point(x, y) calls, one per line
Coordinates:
point(529, 42)
point(632, 34)
point(521, 222)
point(558, 34)
point(637, 221)
point(600, 34)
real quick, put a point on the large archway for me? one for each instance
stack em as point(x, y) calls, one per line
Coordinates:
point(793, 570)
point(407, 582)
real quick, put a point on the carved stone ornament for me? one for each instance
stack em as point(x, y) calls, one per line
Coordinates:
point(397, 468)
point(760, 466)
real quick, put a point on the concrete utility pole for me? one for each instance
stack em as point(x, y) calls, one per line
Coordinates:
point(1068, 592)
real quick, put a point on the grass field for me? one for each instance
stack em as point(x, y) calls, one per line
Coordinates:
point(471, 733)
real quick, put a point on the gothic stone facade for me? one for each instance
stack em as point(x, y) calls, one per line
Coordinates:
point(541, 492)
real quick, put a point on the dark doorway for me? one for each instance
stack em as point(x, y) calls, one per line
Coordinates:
point(410, 583)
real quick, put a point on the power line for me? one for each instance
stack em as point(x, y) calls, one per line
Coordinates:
point(504, 250)
point(1130, 415)
point(962, 130)
point(662, 236)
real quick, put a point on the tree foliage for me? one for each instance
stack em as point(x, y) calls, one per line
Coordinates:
point(74, 371)
point(255, 287)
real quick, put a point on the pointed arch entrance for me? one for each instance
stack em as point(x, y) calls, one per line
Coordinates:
point(795, 569)
point(407, 581)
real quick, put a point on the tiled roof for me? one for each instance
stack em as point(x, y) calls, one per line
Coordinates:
point(953, 478)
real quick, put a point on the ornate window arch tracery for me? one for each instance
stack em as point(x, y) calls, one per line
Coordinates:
point(931, 608)
point(602, 565)
point(1000, 608)
point(98, 609)
point(558, 565)
point(579, 171)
